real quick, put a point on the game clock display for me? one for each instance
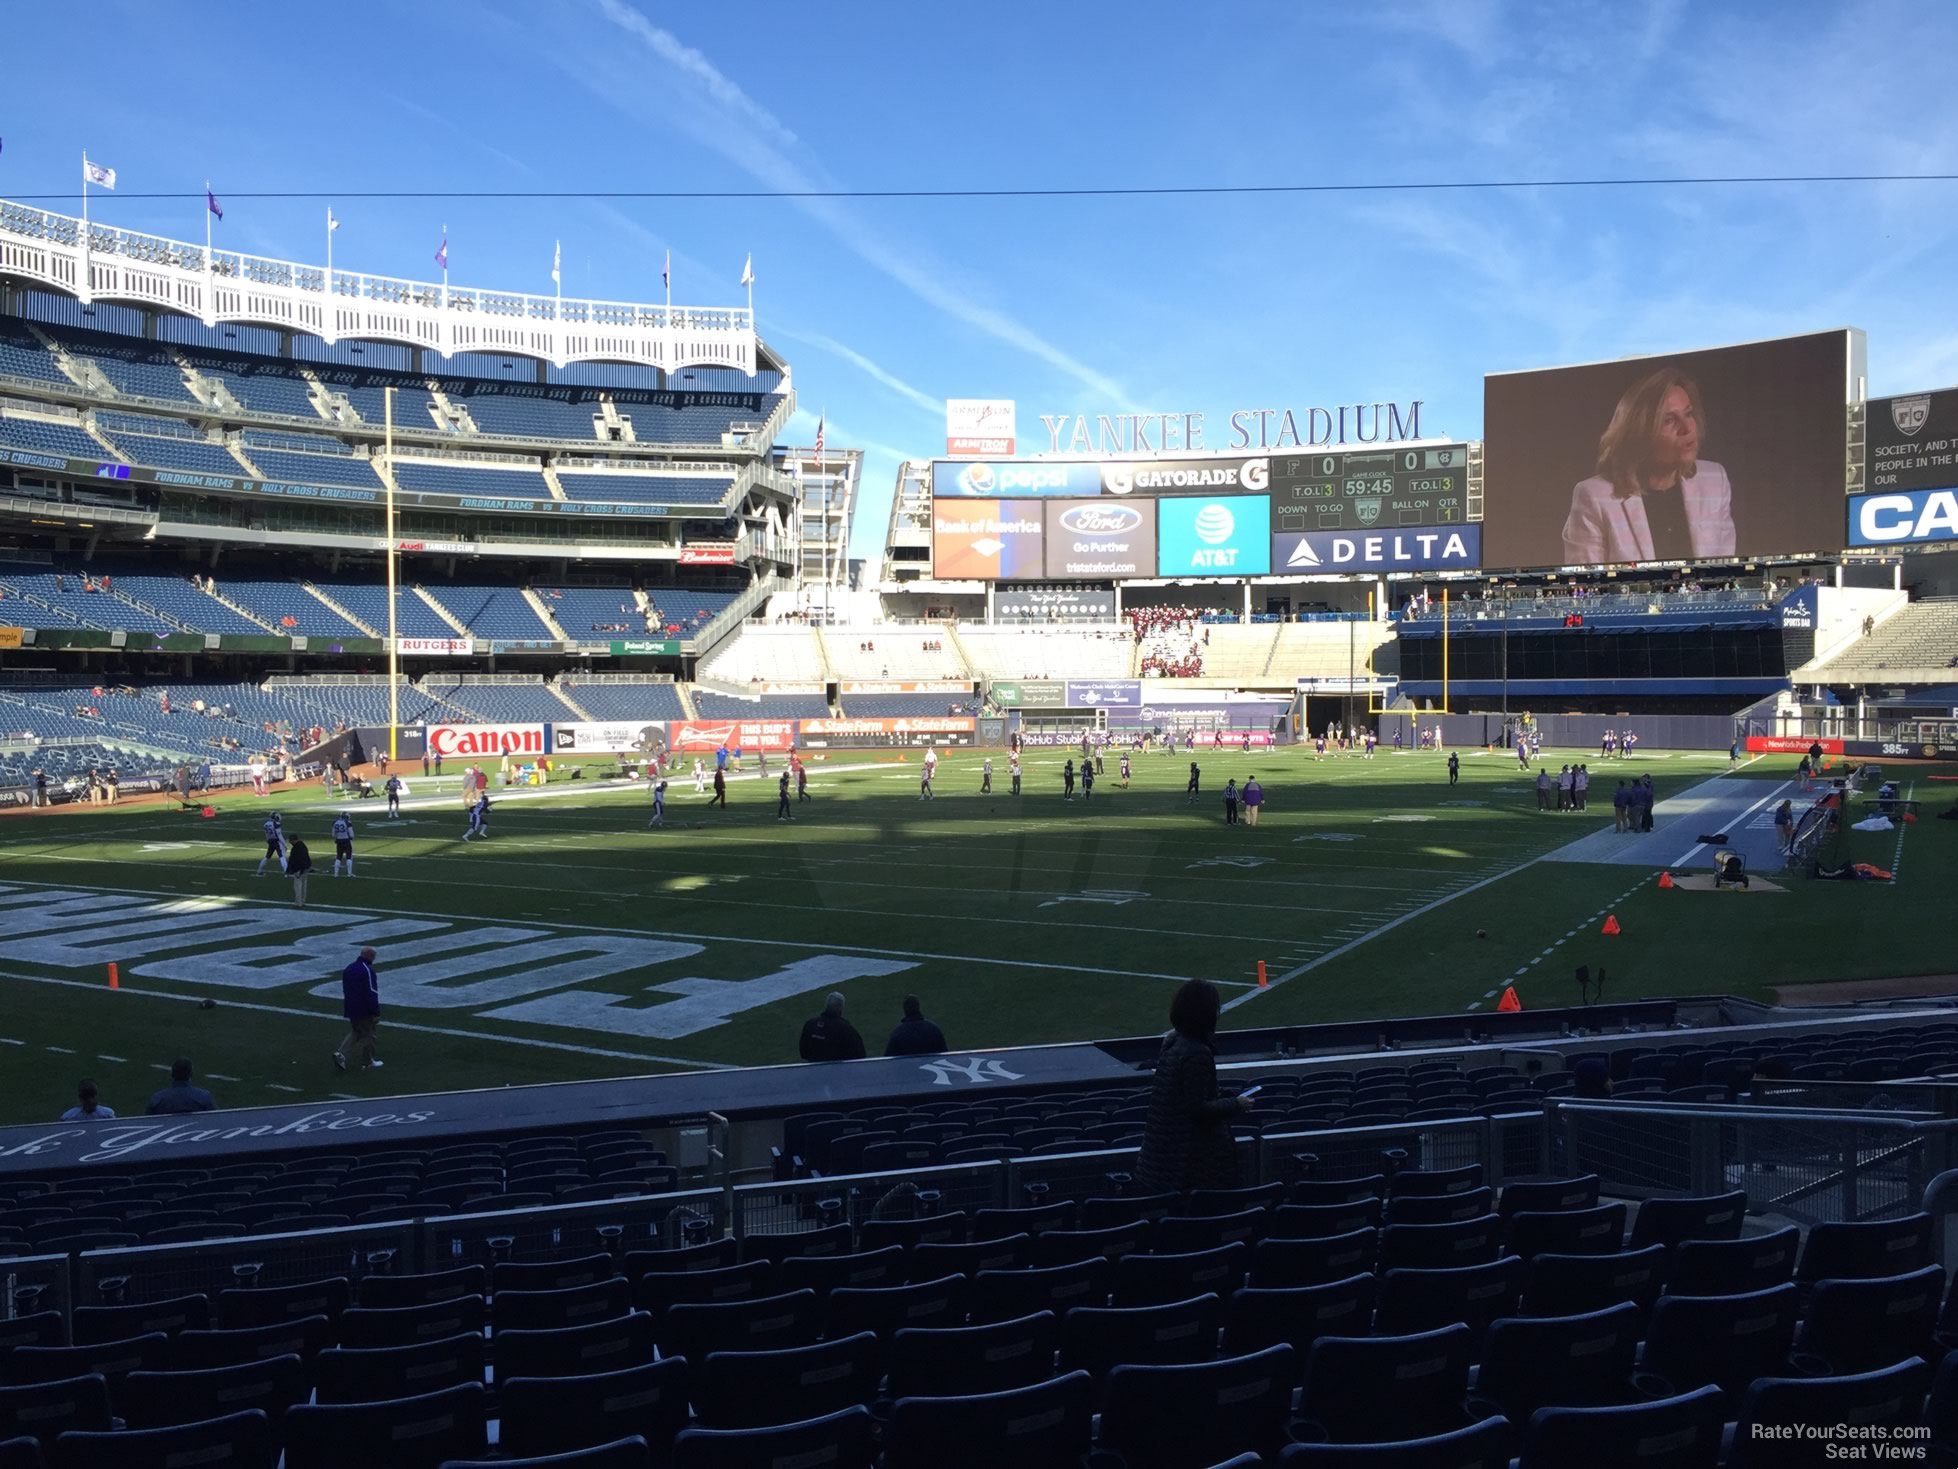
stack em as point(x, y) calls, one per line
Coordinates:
point(1383, 487)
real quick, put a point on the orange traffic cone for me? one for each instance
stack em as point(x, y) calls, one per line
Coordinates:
point(1510, 1003)
point(1611, 928)
point(208, 812)
point(1665, 880)
point(1263, 982)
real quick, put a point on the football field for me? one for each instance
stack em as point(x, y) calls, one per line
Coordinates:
point(574, 942)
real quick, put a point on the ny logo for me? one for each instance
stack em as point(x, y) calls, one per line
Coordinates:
point(976, 1070)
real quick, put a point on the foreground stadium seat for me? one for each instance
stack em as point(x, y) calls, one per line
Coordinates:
point(932, 1261)
point(400, 1326)
point(1595, 1231)
point(39, 1329)
point(1672, 1221)
point(1865, 1251)
point(236, 1441)
point(400, 1433)
point(1735, 1266)
point(1531, 1362)
point(623, 1453)
point(1096, 1339)
point(885, 1310)
point(1007, 1295)
point(43, 1411)
point(1412, 1301)
point(1187, 1235)
point(825, 1273)
point(874, 1234)
point(760, 1389)
point(1722, 1341)
point(113, 1323)
point(1071, 1246)
point(1255, 1318)
point(962, 1361)
point(20, 1453)
point(554, 1310)
point(113, 1360)
point(840, 1441)
point(555, 1415)
point(1045, 1425)
point(1338, 1190)
point(302, 1338)
point(1681, 1432)
point(1323, 1221)
point(1293, 1262)
point(1359, 1389)
point(421, 1290)
point(551, 1275)
point(170, 1399)
point(1483, 1445)
point(692, 1331)
point(1861, 1325)
point(1569, 1285)
point(1889, 1396)
point(1441, 1246)
point(1430, 1181)
point(602, 1346)
point(1187, 1417)
point(1153, 1280)
point(268, 1304)
point(836, 1239)
point(1549, 1196)
point(369, 1374)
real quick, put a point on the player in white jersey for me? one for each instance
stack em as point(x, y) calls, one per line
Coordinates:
point(699, 777)
point(931, 769)
point(343, 844)
point(479, 817)
point(659, 803)
point(986, 777)
point(275, 843)
point(1013, 768)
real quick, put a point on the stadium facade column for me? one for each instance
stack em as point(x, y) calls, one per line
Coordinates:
point(990, 588)
point(1247, 601)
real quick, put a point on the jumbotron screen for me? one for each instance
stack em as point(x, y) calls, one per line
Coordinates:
point(1716, 455)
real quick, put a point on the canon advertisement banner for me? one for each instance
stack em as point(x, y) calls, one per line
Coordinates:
point(1314, 551)
point(979, 427)
point(983, 479)
point(1053, 604)
point(631, 737)
point(771, 736)
point(487, 741)
point(1115, 694)
point(440, 647)
point(1904, 518)
point(1186, 477)
point(844, 734)
point(1101, 538)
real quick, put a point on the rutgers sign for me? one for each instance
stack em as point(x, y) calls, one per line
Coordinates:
point(452, 740)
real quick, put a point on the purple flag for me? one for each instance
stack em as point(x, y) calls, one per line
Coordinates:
point(442, 253)
point(211, 202)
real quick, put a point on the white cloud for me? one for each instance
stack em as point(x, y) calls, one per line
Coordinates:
point(748, 135)
point(870, 369)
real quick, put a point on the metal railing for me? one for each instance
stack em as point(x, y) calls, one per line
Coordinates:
point(1808, 1165)
point(567, 1231)
point(159, 1272)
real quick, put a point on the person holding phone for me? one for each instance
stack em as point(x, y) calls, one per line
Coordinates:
point(1186, 1139)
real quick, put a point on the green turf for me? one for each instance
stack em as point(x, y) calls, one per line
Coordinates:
point(1021, 920)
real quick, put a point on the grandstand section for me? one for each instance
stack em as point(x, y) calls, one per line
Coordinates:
point(1917, 643)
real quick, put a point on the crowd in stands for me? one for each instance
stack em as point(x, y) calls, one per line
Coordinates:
point(1172, 639)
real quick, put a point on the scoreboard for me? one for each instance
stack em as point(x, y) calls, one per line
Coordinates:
point(1406, 486)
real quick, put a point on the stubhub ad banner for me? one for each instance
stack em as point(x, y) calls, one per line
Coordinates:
point(981, 479)
point(1222, 535)
point(1417, 548)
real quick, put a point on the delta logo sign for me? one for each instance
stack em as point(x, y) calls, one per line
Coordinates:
point(1450, 548)
point(1903, 517)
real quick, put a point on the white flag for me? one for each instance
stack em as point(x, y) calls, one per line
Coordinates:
point(95, 173)
point(332, 224)
point(748, 271)
point(557, 259)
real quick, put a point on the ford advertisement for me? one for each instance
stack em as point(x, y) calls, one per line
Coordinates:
point(1101, 538)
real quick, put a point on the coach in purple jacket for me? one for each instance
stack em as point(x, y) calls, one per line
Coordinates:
point(360, 1001)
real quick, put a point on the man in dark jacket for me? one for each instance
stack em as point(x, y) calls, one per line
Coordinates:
point(829, 1037)
point(1186, 1138)
point(914, 1035)
point(180, 1096)
point(360, 1002)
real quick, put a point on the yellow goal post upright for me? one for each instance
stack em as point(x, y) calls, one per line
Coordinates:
point(1376, 700)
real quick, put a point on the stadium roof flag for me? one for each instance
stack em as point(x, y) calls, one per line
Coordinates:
point(748, 272)
point(95, 173)
point(442, 250)
point(211, 201)
point(821, 424)
point(557, 263)
point(666, 277)
point(332, 224)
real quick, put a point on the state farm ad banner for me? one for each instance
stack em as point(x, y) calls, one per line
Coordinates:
point(944, 729)
point(440, 647)
point(488, 741)
point(627, 737)
point(1789, 745)
point(747, 735)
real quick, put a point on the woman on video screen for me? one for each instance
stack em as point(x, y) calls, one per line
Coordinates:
point(1653, 497)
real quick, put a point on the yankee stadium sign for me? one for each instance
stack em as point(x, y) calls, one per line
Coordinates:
point(1111, 434)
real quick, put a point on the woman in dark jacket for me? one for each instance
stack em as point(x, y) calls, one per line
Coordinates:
point(1186, 1142)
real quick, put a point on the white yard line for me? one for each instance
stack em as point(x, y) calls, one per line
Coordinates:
point(1684, 857)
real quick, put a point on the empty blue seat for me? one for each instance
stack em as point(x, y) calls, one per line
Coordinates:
point(368, 1374)
point(600, 1346)
point(1293, 1262)
point(1007, 1295)
point(1734, 1266)
point(419, 1432)
point(1441, 1246)
point(886, 1310)
point(1549, 1196)
point(1665, 1221)
point(757, 1389)
point(660, 1289)
point(1297, 1316)
point(554, 1310)
point(1680, 1432)
point(399, 1326)
point(1421, 1300)
point(171, 1399)
point(1188, 1235)
point(1722, 1341)
point(1096, 1339)
point(555, 1415)
point(1531, 1362)
point(1323, 1221)
point(1865, 1250)
point(1360, 1389)
point(1861, 1325)
point(840, 1441)
point(960, 1361)
point(43, 1411)
point(824, 1273)
point(1886, 1397)
point(113, 1360)
point(1429, 1181)
point(235, 1441)
point(1440, 1208)
point(1187, 1417)
point(1483, 1445)
point(112, 1323)
point(1599, 1230)
point(1044, 1425)
point(301, 1338)
point(836, 1239)
point(692, 1330)
point(624, 1453)
point(1569, 1285)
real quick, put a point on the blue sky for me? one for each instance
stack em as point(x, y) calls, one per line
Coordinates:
point(885, 308)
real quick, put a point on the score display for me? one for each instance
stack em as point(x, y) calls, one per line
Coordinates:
point(1377, 487)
